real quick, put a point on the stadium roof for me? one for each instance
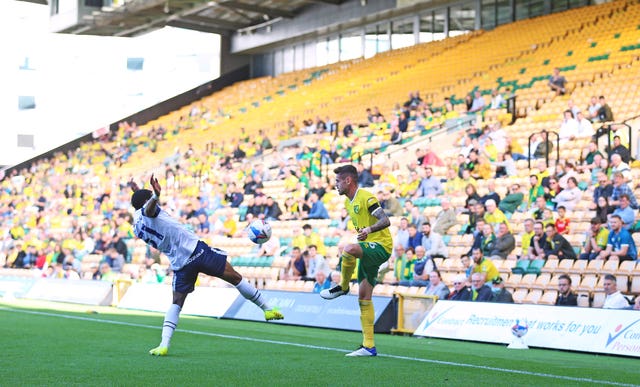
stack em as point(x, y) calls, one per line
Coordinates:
point(224, 17)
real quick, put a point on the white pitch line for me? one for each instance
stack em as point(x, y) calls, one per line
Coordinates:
point(318, 347)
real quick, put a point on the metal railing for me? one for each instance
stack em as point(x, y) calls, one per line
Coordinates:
point(547, 151)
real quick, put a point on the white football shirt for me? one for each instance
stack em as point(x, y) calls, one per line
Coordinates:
point(167, 235)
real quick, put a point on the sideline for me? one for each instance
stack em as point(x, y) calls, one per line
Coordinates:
point(318, 347)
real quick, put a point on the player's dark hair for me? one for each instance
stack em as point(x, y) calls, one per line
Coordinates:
point(140, 197)
point(348, 170)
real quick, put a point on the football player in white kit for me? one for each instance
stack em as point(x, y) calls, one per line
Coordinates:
point(188, 256)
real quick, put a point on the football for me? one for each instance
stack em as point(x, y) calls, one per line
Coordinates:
point(259, 231)
point(520, 328)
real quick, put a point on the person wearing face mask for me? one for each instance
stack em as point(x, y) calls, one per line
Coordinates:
point(500, 293)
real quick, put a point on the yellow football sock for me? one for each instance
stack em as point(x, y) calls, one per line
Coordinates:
point(367, 316)
point(348, 265)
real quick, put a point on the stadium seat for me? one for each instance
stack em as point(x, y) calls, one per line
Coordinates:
point(521, 266)
point(588, 283)
point(626, 268)
point(519, 295)
point(635, 285)
point(535, 266)
point(565, 266)
point(583, 300)
point(549, 297)
point(598, 299)
point(533, 297)
point(542, 281)
point(610, 267)
point(579, 266)
point(550, 266)
point(594, 266)
point(526, 281)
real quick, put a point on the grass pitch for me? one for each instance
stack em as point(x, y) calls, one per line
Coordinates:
point(63, 344)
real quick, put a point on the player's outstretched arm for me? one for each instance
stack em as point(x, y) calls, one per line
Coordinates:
point(152, 205)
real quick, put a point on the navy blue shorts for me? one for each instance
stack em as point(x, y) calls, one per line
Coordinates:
point(203, 260)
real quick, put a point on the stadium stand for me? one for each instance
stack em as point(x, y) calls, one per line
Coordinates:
point(77, 200)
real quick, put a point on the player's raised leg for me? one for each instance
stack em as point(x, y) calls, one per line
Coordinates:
point(350, 253)
point(250, 292)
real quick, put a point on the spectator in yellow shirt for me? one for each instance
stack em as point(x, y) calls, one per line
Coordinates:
point(494, 216)
point(307, 238)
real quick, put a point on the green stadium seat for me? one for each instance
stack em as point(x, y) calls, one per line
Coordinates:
point(535, 266)
point(521, 266)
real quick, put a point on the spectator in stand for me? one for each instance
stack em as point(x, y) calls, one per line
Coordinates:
point(512, 200)
point(488, 240)
point(475, 216)
point(322, 282)
point(365, 178)
point(430, 186)
point(494, 215)
point(483, 265)
point(461, 291)
point(570, 197)
point(568, 128)
point(114, 259)
point(273, 210)
point(551, 191)
point(500, 293)
point(589, 158)
point(446, 218)
point(308, 238)
point(621, 150)
point(620, 187)
point(505, 166)
point(604, 209)
point(295, 268)
point(491, 194)
point(454, 185)
point(403, 265)
point(636, 304)
point(472, 197)
point(318, 210)
point(597, 238)
point(538, 243)
point(614, 298)
point(604, 188)
point(536, 190)
point(468, 102)
point(525, 238)
point(402, 234)
point(422, 266)
point(558, 82)
point(497, 101)
point(478, 103)
point(436, 286)
point(545, 145)
point(625, 212)
point(233, 196)
point(557, 246)
point(427, 158)
point(620, 245)
point(593, 108)
point(480, 291)
point(585, 128)
point(389, 203)
point(432, 242)
point(566, 296)
point(415, 238)
point(562, 222)
point(604, 113)
point(619, 166)
point(314, 263)
point(504, 244)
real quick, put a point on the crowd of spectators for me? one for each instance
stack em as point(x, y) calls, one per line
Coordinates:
point(76, 204)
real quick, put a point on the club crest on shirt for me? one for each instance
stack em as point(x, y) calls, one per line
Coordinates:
point(356, 208)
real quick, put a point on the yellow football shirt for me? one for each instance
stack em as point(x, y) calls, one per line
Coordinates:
point(360, 209)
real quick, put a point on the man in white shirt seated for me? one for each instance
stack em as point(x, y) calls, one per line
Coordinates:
point(614, 299)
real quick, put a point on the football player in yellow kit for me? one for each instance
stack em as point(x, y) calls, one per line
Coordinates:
point(373, 249)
